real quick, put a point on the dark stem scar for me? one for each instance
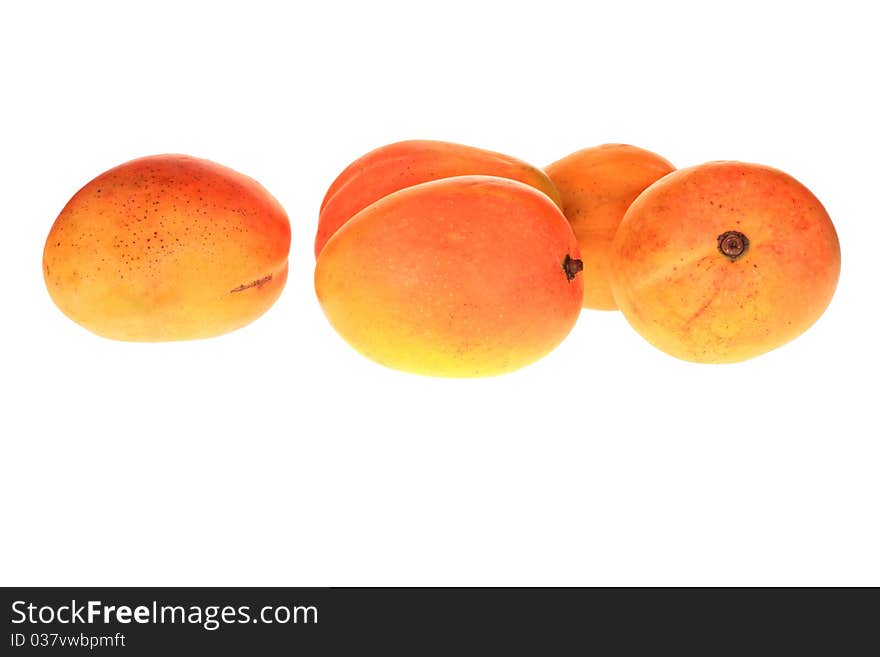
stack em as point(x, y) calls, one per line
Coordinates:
point(572, 267)
point(733, 244)
point(257, 283)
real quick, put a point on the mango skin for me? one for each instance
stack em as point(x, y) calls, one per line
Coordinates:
point(597, 186)
point(682, 294)
point(437, 279)
point(167, 247)
point(403, 164)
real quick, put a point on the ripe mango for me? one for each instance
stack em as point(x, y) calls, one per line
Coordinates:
point(167, 247)
point(465, 276)
point(597, 186)
point(403, 164)
point(724, 261)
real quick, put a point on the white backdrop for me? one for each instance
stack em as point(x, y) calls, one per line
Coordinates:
point(278, 456)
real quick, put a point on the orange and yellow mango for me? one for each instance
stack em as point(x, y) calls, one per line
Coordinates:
point(724, 261)
point(396, 166)
point(462, 277)
point(167, 247)
point(597, 186)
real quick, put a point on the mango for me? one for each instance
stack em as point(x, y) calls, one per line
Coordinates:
point(167, 247)
point(724, 261)
point(597, 186)
point(460, 277)
point(403, 164)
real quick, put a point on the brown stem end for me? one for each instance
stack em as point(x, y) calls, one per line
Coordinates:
point(572, 267)
point(733, 244)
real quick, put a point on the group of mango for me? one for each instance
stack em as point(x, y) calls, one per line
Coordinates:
point(449, 260)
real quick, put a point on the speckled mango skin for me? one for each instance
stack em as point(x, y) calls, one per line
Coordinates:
point(597, 186)
point(403, 164)
point(681, 293)
point(167, 247)
point(461, 277)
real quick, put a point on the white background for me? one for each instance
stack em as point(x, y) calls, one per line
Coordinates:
point(278, 456)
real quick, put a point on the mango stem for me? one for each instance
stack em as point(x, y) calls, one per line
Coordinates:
point(733, 244)
point(572, 266)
